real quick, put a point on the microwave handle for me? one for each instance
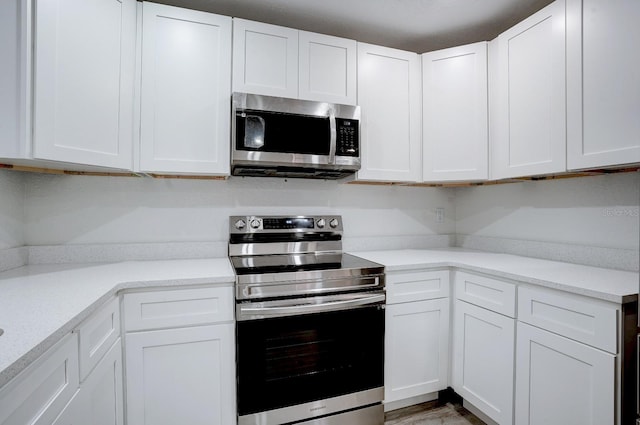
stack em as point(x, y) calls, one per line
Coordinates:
point(334, 136)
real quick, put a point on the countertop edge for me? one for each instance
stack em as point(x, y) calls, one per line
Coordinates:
point(18, 366)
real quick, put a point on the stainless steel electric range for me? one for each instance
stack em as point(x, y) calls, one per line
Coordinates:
point(310, 324)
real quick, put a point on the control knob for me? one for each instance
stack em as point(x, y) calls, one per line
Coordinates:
point(321, 223)
point(333, 223)
point(255, 223)
point(240, 224)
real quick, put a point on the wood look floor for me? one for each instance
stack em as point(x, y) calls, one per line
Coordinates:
point(432, 413)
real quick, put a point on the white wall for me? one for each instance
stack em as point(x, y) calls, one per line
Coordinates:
point(103, 210)
point(597, 211)
point(11, 209)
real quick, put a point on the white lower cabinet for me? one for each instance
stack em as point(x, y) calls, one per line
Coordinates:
point(183, 375)
point(562, 382)
point(416, 349)
point(40, 393)
point(483, 360)
point(99, 401)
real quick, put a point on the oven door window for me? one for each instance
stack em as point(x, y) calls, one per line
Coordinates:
point(282, 133)
point(291, 360)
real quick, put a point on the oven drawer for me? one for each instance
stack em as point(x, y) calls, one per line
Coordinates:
point(177, 308)
point(418, 285)
point(372, 415)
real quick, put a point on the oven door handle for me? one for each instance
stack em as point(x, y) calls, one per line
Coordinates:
point(260, 311)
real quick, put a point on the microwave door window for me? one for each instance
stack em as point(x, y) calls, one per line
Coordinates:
point(254, 127)
point(276, 132)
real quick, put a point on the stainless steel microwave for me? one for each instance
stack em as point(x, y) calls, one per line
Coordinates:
point(280, 137)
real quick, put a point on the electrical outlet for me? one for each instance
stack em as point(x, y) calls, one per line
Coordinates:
point(439, 215)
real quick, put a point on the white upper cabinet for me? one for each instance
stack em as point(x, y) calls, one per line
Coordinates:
point(84, 60)
point(278, 61)
point(15, 72)
point(455, 115)
point(389, 93)
point(185, 92)
point(265, 59)
point(603, 83)
point(327, 68)
point(528, 132)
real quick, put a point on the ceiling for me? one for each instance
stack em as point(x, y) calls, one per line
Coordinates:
point(415, 25)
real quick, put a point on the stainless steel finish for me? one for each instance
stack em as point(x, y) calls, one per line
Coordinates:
point(295, 287)
point(274, 248)
point(293, 106)
point(316, 408)
point(291, 164)
point(307, 305)
point(248, 218)
point(372, 415)
point(333, 137)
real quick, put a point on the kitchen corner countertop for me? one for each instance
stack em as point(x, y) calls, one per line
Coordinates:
point(616, 286)
point(39, 304)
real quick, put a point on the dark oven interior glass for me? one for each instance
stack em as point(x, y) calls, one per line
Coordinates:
point(291, 360)
point(263, 131)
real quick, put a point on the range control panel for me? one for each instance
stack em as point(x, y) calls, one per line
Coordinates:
point(284, 224)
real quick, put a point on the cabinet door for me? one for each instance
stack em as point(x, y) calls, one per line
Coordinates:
point(603, 83)
point(103, 389)
point(83, 80)
point(182, 375)
point(40, 393)
point(530, 125)
point(389, 92)
point(424, 327)
point(327, 68)
point(186, 89)
point(562, 382)
point(265, 59)
point(483, 351)
point(76, 412)
point(455, 117)
point(15, 75)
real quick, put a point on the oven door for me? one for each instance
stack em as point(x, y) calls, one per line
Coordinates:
point(296, 367)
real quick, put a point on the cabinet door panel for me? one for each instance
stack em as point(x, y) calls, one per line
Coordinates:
point(186, 87)
point(455, 115)
point(530, 97)
point(327, 68)
point(181, 376)
point(483, 360)
point(562, 382)
point(84, 76)
point(389, 92)
point(423, 326)
point(103, 390)
point(265, 59)
point(40, 392)
point(603, 83)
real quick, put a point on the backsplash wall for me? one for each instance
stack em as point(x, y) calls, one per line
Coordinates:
point(121, 210)
point(11, 209)
point(593, 220)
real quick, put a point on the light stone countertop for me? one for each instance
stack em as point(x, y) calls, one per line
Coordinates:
point(616, 286)
point(39, 304)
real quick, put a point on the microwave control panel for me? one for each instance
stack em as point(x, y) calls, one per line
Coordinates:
point(347, 142)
